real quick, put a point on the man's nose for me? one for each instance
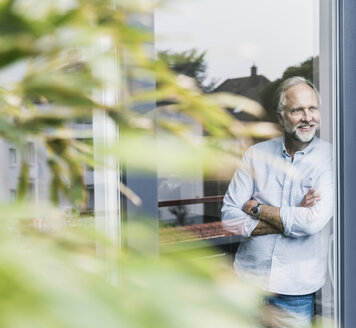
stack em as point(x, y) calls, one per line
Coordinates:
point(307, 116)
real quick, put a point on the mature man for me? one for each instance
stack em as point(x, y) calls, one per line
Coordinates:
point(281, 200)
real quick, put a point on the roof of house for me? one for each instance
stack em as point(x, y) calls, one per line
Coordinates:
point(249, 86)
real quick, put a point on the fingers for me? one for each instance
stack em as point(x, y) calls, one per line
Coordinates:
point(310, 199)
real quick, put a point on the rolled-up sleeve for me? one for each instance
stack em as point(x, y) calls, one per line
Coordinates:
point(303, 221)
point(239, 191)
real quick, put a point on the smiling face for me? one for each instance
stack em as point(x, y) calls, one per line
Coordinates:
point(301, 115)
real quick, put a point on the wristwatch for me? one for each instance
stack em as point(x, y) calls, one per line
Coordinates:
point(255, 211)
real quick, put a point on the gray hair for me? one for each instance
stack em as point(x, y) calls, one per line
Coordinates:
point(279, 101)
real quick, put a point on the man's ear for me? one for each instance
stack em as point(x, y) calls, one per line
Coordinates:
point(280, 119)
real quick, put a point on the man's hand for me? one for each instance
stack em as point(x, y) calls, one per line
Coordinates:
point(270, 221)
point(264, 228)
point(249, 205)
point(310, 199)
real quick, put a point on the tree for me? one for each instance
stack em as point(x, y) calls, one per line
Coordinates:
point(189, 63)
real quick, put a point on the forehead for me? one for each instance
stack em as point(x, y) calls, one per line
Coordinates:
point(301, 95)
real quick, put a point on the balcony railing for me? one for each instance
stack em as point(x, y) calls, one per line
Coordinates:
point(190, 201)
point(186, 236)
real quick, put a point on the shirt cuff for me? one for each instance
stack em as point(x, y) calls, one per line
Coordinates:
point(284, 214)
point(242, 226)
point(251, 224)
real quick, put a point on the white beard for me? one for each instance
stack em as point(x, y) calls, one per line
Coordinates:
point(298, 135)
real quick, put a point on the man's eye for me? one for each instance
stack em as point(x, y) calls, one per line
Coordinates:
point(297, 110)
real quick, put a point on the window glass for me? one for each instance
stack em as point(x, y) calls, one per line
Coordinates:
point(12, 156)
point(30, 152)
point(244, 48)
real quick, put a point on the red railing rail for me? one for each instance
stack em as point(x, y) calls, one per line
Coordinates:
point(189, 201)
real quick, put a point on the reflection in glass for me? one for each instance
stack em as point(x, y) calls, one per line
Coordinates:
point(248, 49)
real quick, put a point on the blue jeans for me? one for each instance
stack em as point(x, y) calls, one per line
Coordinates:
point(292, 307)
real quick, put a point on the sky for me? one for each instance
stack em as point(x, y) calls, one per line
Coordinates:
point(272, 34)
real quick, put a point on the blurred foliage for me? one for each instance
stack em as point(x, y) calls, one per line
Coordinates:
point(308, 69)
point(60, 272)
point(53, 274)
point(57, 271)
point(66, 54)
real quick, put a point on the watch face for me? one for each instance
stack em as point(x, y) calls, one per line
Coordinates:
point(255, 211)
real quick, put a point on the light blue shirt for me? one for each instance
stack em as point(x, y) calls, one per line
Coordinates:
point(295, 262)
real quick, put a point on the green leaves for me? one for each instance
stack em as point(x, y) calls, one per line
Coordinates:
point(74, 58)
point(73, 52)
point(52, 275)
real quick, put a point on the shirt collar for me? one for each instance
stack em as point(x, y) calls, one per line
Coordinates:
point(306, 150)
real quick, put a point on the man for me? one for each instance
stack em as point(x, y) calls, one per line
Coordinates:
point(281, 200)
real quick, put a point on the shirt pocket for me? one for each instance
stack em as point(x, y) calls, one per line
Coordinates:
point(307, 183)
point(302, 188)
